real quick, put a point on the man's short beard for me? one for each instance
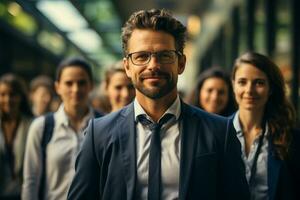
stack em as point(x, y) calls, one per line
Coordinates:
point(156, 92)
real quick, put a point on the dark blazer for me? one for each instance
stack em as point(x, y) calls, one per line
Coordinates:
point(293, 164)
point(106, 164)
point(283, 175)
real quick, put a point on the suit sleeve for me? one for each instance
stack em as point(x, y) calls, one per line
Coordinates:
point(86, 182)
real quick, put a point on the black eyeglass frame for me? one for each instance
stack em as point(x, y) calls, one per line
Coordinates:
point(178, 53)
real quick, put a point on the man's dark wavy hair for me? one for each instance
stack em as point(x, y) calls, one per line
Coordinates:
point(157, 20)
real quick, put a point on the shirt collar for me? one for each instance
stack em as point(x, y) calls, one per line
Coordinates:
point(174, 109)
point(238, 127)
point(63, 119)
point(237, 124)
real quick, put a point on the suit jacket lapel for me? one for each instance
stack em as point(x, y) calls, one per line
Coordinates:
point(126, 127)
point(188, 138)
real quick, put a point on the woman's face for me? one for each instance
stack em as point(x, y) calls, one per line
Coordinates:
point(74, 87)
point(9, 99)
point(214, 95)
point(41, 99)
point(120, 90)
point(251, 88)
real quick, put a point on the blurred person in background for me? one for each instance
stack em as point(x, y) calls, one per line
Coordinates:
point(264, 125)
point(213, 92)
point(41, 94)
point(99, 100)
point(15, 118)
point(50, 157)
point(119, 88)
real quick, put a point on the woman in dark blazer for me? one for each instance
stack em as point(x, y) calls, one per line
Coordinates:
point(264, 125)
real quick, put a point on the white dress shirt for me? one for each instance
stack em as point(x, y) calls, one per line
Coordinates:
point(260, 189)
point(61, 153)
point(170, 156)
point(10, 182)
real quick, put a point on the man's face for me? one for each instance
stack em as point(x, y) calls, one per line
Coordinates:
point(154, 79)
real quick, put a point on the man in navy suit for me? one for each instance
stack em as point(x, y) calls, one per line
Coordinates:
point(195, 156)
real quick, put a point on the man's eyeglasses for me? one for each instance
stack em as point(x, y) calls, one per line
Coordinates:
point(163, 57)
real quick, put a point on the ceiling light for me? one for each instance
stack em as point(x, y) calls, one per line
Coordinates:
point(62, 14)
point(88, 40)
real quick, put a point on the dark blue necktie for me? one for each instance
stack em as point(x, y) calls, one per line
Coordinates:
point(154, 176)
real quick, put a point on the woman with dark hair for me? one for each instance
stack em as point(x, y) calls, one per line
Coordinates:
point(213, 92)
point(264, 125)
point(54, 139)
point(15, 118)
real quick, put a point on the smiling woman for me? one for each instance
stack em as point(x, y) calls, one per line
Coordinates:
point(119, 88)
point(265, 127)
point(213, 92)
point(48, 168)
point(15, 118)
point(251, 87)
